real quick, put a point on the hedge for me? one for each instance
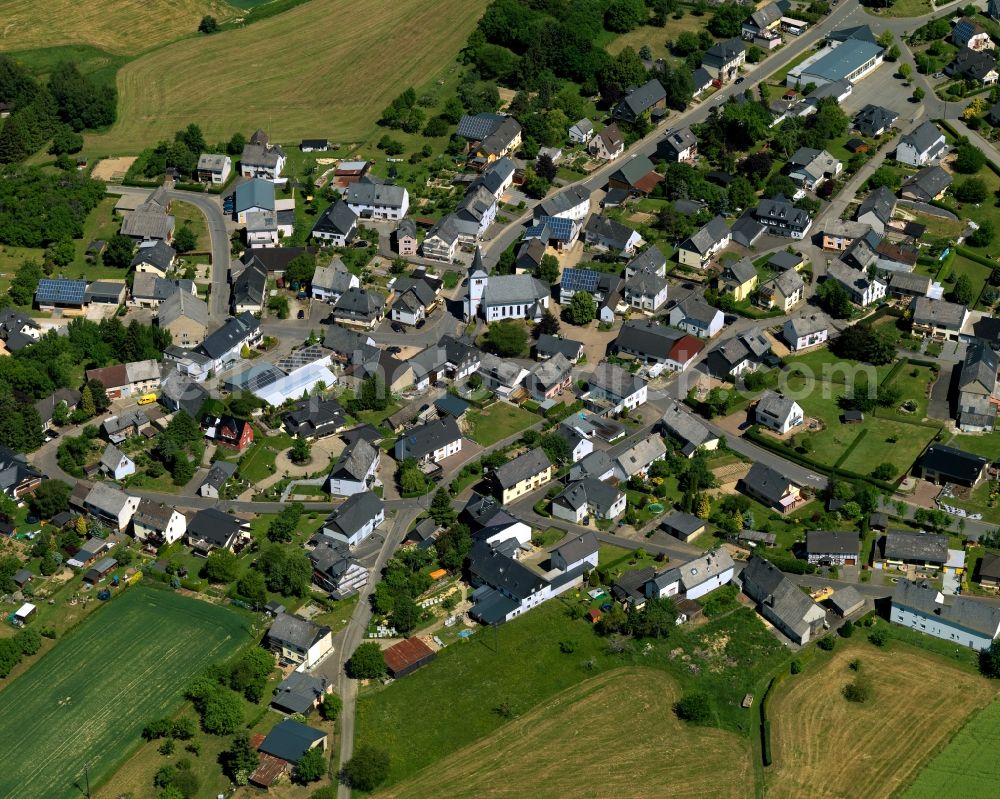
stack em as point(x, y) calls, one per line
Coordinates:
point(965, 252)
point(851, 447)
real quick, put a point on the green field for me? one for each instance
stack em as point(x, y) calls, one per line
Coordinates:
point(498, 422)
point(968, 765)
point(86, 701)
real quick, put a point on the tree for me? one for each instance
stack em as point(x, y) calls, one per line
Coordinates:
point(581, 309)
point(220, 709)
point(240, 760)
point(905, 71)
point(287, 570)
point(546, 168)
point(441, 510)
point(727, 20)
point(556, 447)
point(278, 304)
point(834, 299)
point(989, 660)
point(300, 451)
point(49, 499)
point(66, 140)
point(962, 291)
point(918, 94)
point(221, 566)
point(860, 689)
point(879, 636)
point(118, 252)
point(452, 546)
point(971, 190)
point(694, 707)
point(847, 629)
point(884, 471)
point(25, 282)
point(368, 768)
point(236, 144)
point(208, 24)
point(704, 507)
point(100, 395)
point(367, 662)
point(548, 324)
point(248, 674)
point(983, 235)
point(548, 270)
point(185, 239)
point(625, 15)
point(311, 766)
point(301, 268)
point(405, 615)
point(251, 587)
point(883, 176)
point(330, 707)
point(508, 338)
point(969, 159)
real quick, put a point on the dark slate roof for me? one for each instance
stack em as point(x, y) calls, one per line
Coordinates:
point(295, 630)
point(684, 523)
point(563, 201)
point(824, 542)
point(589, 491)
point(289, 740)
point(881, 201)
point(970, 614)
point(710, 234)
point(577, 548)
point(233, 332)
point(874, 117)
point(358, 303)
point(927, 547)
point(337, 220)
point(423, 440)
point(632, 583)
point(975, 64)
point(299, 691)
point(550, 345)
point(354, 514)
point(158, 254)
point(250, 286)
point(481, 509)
point(722, 53)
point(951, 462)
point(928, 183)
point(646, 338)
point(503, 573)
point(478, 127)
point(780, 210)
point(524, 466)
point(642, 99)
point(355, 461)
point(923, 138)
point(614, 232)
point(214, 526)
point(766, 482)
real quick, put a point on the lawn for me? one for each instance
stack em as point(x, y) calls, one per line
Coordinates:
point(572, 727)
point(190, 215)
point(906, 8)
point(523, 664)
point(87, 700)
point(986, 444)
point(822, 365)
point(128, 27)
point(497, 422)
point(657, 38)
point(978, 274)
point(968, 765)
point(825, 746)
point(913, 381)
point(305, 82)
point(258, 461)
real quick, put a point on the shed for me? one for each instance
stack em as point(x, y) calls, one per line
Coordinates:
point(22, 577)
point(847, 601)
point(407, 656)
point(100, 570)
point(437, 574)
point(23, 613)
point(684, 526)
point(594, 615)
point(852, 417)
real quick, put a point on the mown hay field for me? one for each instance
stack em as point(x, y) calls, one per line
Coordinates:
point(125, 27)
point(326, 68)
point(87, 700)
point(825, 747)
point(613, 735)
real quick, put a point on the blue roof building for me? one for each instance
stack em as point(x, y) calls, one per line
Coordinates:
point(60, 293)
point(851, 60)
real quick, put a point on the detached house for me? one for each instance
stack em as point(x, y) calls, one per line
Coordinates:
point(155, 257)
point(807, 330)
point(298, 641)
point(646, 291)
point(652, 342)
point(781, 602)
point(355, 469)
point(922, 145)
point(976, 65)
point(371, 198)
point(335, 571)
point(587, 497)
point(212, 529)
point(356, 519)
point(929, 184)
point(406, 238)
point(770, 488)
point(781, 218)
point(825, 548)
point(862, 289)
point(524, 474)
point(431, 442)
point(638, 458)
point(942, 464)
point(704, 245)
point(621, 390)
point(978, 393)
point(687, 430)
point(938, 318)
point(359, 307)
point(679, 146)
point(956, 619)
point(337, 225)
point(635, 177)
point(734, 357)
point(442, 239)
point(697, 317)
point(874, 120)
point(778, 413)
point(17, 477)
point(647, 98)
point(739, 279)
point(784, 291)
point(762, 23)
point(111, 506)
point(580, 132)
point(490, 137)
point(608, 144)
point(723, 59)
point(115, 463)
point(810, 167)
point(969, 33)
point(330, 282)
point(261, 159)
point(608, 234)
point(158, 524)
point(876, 210)
point(549, 378)
point(214, 168)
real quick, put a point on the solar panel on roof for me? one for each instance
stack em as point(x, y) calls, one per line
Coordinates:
point(560, 228)
point(63, 291)
point(580, 279)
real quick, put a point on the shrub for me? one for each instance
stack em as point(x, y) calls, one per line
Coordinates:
point(879, 636)
point(367, 769)
point(847, 629)
point(859, 690)
point(796, 667)
point(826, 643)
point(694, 707)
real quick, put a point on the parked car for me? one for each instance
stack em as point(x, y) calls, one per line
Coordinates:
point(420, 324)
point(301, 314)
point(738, 81)
point(397, 328)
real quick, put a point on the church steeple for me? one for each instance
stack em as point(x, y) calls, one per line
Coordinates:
point(478, 277)
point(477, 269)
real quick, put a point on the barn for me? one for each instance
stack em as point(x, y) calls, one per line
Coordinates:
point(407, 656)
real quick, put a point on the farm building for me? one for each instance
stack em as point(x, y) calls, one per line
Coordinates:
point(407, 656)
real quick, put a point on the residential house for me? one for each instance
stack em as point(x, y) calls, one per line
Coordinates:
point(300, 693)
point(476, 211)
point(863, 290)
point(876, 210)
point(575, 553)
point(895, 257)
point(229, 432)
point(975, 65)
point(646, 291)
point(355, 469)
point(442, 239)
point(781, 602)
point(608, 144)
point(651, 261)
point(185, 316)
point(549, 378)
point(938, 318)
point(608, 234)
point(739, 279)
point(17, 477)
point(524, 474)
point(778, 413)
point(115, 463)
point(694, 579)
point(490, 136)
point(214, 168)
point(414, 301)
point(502, 376)
point(697, 317)
point(922, 145)
point(781, 218)
point(157, 524)
point(149, 290)
point(46, 407)
point(806, 330)
point(702, 81)
point(586, 497)
point(723, 60)
point(764, 23)
point(596, 464)
point(907, 284)
point(969, 33)
point(314, 418)
point(406, 238)
point(154, 257)
point(683, 526)
point(581, 131)
point(180, 392)
point(371, 198)
point(943, 464)
point(336, 571)
point(636, 460)
point(359, 307)
point(704, 245)
point(605, 288)
point(547, 346)
point(261, 159)
point(150, 221)
point(572, 203)
point(929, 184)
point(212, 529)
point(925, 551)
point(614, 386)
point(652, 343)
point(989, 570)
point(254, 196)
point(978, 393)
point(314, 145)
point(220, 350)
point(431, 442)
point(356, 519)
point(249, 290)
point(956, 619)
point(679, 146)
point(646, 99)
point(330, 282)
point(17, 331)
point(337, 225)
point(125, 425)
point(497, 177)
point(810, 167)
point(220, 474)
point(826, 548)
point(735, 357)
point(298, 641)
point(112, 506)
point(839, 235)
point(874, 120)
point(769, 487)
point(687, 430)
point(783, 292)
point(579, 445)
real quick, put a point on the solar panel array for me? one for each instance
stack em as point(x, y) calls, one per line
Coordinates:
point(59, 291)
point(580, 280)
point(561, 229)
